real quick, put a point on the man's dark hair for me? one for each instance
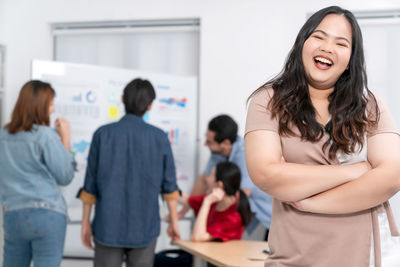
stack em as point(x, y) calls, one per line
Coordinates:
point(138, 95)
point(224, 127)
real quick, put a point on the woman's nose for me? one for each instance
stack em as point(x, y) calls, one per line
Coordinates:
point(327, 47)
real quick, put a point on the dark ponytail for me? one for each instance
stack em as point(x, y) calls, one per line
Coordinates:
point(244, 208)
point(229, 174)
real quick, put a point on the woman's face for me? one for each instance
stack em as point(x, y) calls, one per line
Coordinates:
point(326, 53)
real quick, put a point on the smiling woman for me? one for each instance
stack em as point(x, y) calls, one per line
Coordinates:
point(341, 152)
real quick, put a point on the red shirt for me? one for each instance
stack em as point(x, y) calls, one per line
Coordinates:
point(224, 225)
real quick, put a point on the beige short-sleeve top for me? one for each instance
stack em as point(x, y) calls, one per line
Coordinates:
point(306, 239)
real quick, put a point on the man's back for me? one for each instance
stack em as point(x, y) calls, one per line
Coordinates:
point(130, 163)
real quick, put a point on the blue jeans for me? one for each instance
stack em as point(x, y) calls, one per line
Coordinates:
point(33, 234)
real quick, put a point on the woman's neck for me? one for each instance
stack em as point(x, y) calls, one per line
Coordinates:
point(320, 101)
point(225, 203)
point(319, 94)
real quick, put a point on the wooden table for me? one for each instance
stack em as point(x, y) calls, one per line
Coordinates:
point(235, 253)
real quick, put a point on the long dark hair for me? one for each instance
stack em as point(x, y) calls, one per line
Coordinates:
point(291, 101)
point(229, 174)
point(32, 107)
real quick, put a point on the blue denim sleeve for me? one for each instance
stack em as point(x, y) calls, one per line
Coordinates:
point(169, 184)
point(92, 166)
point(58, 160)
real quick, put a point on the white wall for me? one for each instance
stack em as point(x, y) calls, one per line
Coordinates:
point(2, 22)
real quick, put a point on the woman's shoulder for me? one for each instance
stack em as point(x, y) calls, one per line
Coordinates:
point(375, 106)
point(39, 135)
point(259, 115)
point(43, 133)
point(262, 94)
point(43, 129)
point(378, 111)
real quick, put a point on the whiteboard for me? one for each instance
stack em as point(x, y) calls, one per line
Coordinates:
point(382, 54)
point(90, 96)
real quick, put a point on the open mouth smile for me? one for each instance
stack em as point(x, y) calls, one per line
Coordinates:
point(323, 63)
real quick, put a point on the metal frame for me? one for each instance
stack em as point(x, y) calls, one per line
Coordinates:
point(125, 24)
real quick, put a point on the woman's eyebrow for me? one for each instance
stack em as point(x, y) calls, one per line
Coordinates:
point(338, 38)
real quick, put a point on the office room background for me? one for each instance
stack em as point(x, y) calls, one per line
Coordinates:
point(231, 46)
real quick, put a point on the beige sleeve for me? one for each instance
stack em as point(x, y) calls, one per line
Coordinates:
point(386, 123)
point(258, 114)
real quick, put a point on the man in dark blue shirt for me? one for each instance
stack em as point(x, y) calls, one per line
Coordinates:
point(130, 163)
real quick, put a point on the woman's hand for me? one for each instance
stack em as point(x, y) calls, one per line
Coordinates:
point(63, 130)
point(216, 195)
point(62, 127)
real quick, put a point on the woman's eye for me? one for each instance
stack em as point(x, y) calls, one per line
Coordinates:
point(341, 44)
point(318, 37)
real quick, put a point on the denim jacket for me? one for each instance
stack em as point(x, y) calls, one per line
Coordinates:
point(32, 166)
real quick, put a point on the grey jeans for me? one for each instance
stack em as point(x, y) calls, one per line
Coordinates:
point(113, 256)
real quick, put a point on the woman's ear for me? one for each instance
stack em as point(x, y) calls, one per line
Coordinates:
point(237, 195)
point(220, 185)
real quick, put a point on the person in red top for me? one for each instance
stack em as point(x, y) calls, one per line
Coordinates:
point(221, 215)
point(224, 225)
point(225, 211)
